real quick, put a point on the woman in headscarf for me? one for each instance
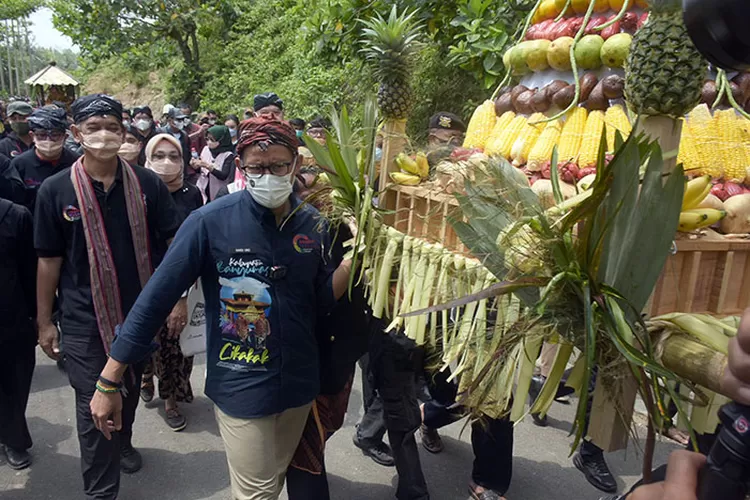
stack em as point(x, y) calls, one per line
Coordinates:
point(164, 157)
point(217, 162)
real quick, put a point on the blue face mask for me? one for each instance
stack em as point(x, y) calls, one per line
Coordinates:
point(378, 154)
point(233, 132)
point(299, 133)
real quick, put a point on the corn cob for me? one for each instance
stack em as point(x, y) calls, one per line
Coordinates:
point(616, 119)
point(735, 159)
point(745, 131)
point(526, 139)
point(688, 155)
point(543, 147)
point(572, 134)
point(704, 130)
point(505, 141)
point(480, 126)
point(494, 142)
point(592, 135)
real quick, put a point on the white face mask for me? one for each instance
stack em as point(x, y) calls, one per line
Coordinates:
point(178, 124)
point(49, 149)
point(268, 190)
point(126, 123)
point(102, 145)
point(143, 125)
point(212, 144)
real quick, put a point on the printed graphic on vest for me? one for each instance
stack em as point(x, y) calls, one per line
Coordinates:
point(245, 307)
point(71, 213)
point(303, 243)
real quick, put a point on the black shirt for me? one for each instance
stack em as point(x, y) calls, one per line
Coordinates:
point(186, 199)
point(17, 274)
point(12, 146)
point(33, 171)
point(58, 232)
point(11, 185)
point(144, 140)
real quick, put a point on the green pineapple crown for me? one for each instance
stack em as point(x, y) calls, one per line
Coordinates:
point(390, 44)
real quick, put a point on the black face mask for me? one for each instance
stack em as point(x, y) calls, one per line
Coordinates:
point(20, 128)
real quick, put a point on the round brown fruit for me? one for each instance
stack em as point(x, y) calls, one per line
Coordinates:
point(587, 83)
point(613, 86)
point(709, 92)
point(540, 102)
point(564, 97)
point(523, 102)
point(503, 104)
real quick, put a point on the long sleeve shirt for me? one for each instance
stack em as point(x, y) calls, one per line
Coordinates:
point(264, 286)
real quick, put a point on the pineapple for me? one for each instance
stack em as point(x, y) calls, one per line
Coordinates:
point(390, 45)
point(664, 70)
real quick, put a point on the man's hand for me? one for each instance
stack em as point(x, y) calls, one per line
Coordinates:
point(681, 482)
point(103, 406)
point(48, 336)
point(736, 381)
point(177, 319)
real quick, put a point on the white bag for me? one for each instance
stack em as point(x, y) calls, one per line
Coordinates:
point(193, 336)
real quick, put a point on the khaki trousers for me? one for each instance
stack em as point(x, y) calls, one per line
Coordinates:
point(259, 450)
point(547, 358)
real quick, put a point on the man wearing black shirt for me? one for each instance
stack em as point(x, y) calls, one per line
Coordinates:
point(19, 140)
point(64, 234)
point(17, 335)
point(143, 121)
point(11, 185)
point(48, 155)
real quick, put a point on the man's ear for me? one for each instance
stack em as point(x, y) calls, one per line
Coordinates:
point(76, 133)
point(237, 163)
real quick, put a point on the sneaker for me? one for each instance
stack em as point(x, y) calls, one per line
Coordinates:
point(380, 452)
point(175, 420)
point(17, 459)
point(147, 393)
point(431, 439)
point(596, 471)
point(130, 460)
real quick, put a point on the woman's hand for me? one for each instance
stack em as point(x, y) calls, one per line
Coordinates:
point(681, 482)
point(177, 319)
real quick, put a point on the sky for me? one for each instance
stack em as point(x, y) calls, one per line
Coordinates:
point(45, 34)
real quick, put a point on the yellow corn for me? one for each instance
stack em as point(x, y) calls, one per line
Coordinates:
point(543, 147)
point(745, 131)
point(480, 126)
point(735, 159)
point(688, 154)
point(522, 147)
point(705, 132)
point(616, 120)
point(592, 135)
point(572, 134)
point(504, 142)
point(493, 144)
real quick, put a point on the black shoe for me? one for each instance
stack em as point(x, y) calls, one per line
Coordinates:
point(147, 393)
point(431, 439)
point(596, 471)
point(130, 460)
point(537, 382)
point(175, 420)
point(17, 459)
point(380, 452)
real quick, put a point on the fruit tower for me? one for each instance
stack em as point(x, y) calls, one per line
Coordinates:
point(584, 66)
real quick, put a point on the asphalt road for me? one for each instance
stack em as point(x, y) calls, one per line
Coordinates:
point(191, 465)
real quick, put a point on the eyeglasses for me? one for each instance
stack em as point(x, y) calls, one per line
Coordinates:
point(162, 156)
point(279, 169)
point(49, 136)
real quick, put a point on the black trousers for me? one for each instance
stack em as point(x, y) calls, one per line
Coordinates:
point(393, 364)
point(17, 360)
point(100, 458)
point(491, 439)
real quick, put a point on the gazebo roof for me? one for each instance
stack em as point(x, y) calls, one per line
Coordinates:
point(51, 75)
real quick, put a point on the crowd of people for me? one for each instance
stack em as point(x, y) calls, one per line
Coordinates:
point(110, 221)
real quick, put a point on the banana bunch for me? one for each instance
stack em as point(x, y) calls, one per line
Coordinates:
point(413, 170)
point(692, 217)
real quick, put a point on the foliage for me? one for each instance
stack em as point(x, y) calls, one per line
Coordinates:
point(103, 28)
point(14, 9)
point(473, 33)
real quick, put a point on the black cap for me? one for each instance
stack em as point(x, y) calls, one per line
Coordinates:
point(447, 121)
point(260, 101)
point(143, 109)
point(96, 105)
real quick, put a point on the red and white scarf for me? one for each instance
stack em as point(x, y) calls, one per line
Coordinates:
point(105, 290)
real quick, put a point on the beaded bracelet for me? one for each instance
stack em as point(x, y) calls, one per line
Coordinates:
point(106, 390)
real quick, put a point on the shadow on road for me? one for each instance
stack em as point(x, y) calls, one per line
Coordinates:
point(343, 488)
point(48, 377)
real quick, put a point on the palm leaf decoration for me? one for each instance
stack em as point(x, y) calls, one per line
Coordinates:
point(580, 274)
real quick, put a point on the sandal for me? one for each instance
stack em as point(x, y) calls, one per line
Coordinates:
point(483, 495)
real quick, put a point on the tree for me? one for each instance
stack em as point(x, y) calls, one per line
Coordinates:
point(103, 28)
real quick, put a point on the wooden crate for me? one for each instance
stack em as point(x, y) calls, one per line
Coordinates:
point(704, 276)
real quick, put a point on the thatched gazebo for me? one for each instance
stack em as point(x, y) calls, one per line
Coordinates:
point(52, 85)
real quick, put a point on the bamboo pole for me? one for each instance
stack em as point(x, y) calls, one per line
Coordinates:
point(394, 141)
point(694, 361)
point(7, 50)
point(2, 71)
point(14, 27)
point(667, 131)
